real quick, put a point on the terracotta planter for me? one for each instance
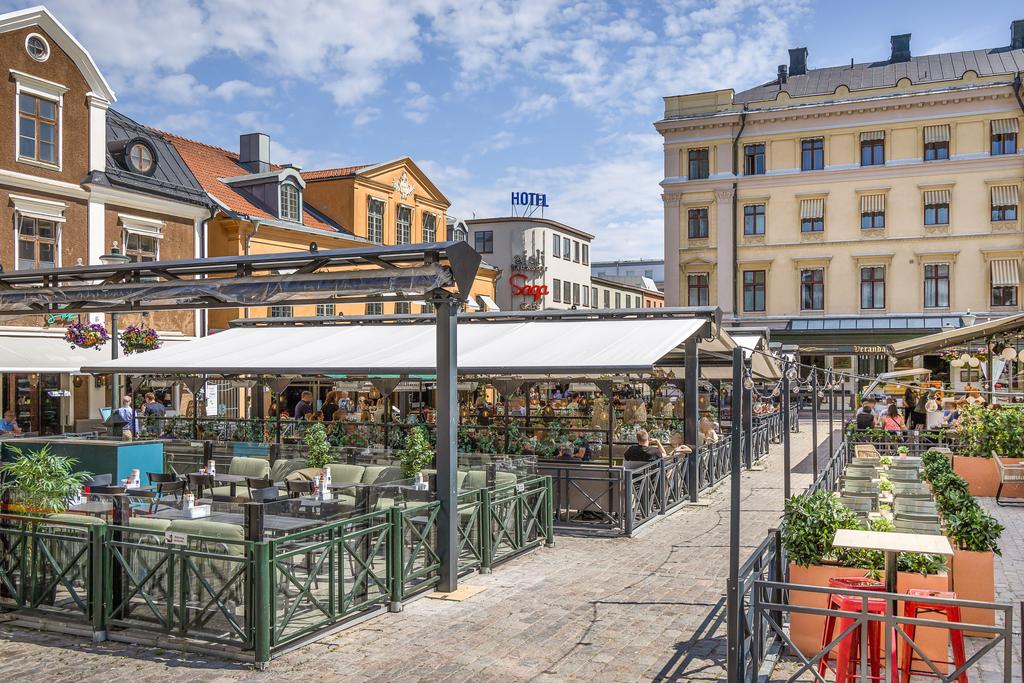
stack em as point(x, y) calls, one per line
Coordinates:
point(982, 476)
point(806, 629)
point(974, 579)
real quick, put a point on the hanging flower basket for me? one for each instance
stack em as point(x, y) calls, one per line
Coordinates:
point(86, 335)
point(137, 339)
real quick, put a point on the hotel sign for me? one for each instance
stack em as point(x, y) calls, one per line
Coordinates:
point(534, 199)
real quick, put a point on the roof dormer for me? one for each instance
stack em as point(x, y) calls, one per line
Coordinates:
point(277, 188)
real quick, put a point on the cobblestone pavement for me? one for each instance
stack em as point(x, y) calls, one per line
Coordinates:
point(650, 608)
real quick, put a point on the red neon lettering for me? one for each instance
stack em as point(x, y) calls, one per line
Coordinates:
point(523, 289)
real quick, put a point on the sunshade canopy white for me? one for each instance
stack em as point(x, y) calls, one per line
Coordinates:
point(956, 337)
point(46, 353)
point(519, 348)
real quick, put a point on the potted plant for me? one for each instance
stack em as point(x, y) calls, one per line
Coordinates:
point(138, 339)
point(315, 439)
point(983, 432)
point(417, 453)
point(86, 335)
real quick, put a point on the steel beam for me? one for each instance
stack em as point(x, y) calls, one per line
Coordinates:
point(814, 423)
point(787, 489)
point(691, 413)
point(748, 424)
point(734, 627)
point(447, 407)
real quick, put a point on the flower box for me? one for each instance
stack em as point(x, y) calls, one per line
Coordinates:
point(973, 578)
point(982, 476)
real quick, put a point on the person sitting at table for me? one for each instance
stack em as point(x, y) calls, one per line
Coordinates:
point(304, 406)
point(9, 425)
point(675, 440)
point(708, 434)
point(866, 416)
point(582, 449)
point(330, 405)
point(893, 421)
point(645, 449)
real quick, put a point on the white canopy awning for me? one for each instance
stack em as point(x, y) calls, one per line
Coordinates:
point(34, 352)
point(532, 347)
point(762, 365)
point(956, 337)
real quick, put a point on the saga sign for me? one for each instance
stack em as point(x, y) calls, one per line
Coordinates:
point(529, 199)
point(520, 288)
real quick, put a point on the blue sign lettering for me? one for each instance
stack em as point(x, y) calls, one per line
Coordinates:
point(529, 199)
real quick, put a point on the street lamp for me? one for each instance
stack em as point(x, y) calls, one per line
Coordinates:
point(114, 258)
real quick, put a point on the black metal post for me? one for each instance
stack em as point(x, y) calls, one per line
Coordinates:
point(991, 371)
point(447, 443)
point(507, 421)
point(814, 423)
point(786, 478)
point(611, 423)
point(734, 633)
point(387, 421)
point(831, 406)
point(842, 407)
point(747, 424)
point(115, 378)
point(691, 414)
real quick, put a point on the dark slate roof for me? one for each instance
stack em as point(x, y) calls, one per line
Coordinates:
point(950, 66)
point(171, 179)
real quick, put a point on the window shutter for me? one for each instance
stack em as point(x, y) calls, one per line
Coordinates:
point(1006, 273)
point(936, 133)
point(872, 203)
point(932, 197)
point(1004, 126)
point(812, 208)
point(1004, 195)
point(872, 135)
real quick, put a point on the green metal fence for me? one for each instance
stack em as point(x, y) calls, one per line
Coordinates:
point(255, 597)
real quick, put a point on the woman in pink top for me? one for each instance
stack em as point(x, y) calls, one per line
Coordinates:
point(893, 421)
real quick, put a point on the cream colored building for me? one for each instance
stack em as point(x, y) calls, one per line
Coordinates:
point(850, 206)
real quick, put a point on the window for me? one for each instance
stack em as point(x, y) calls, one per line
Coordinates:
point(1004, 137)
point(649, 273)
point(593, 297)
point(141, 247)
point(280, 311)
point(586, 254)
point(753, 290)
point(753, 159)
point(576, 294)
point(37, 128)
point(403, 308)
point(812, 215)
point(37, 243)
point(872, 287)
point(37, 47)
point(936, 207)
point(697, 223)
point(607, 298)
point(557, 290)
point(566, 292)
point(629, 301)
point(483, 241)
point(586, 297)
point(698, 164)
point(375, 308)
point(618, 299)
point(1004, 203)
point(140, 158)
point(291, 209)
point(698, 292)
point(812, 290)
point(753, 219)
point(429, 227)
point(375, 221)
point(936, 143)
point(556, 245)
point(566, 248)
point(1005, 281)
point(936, 285)
point(576, 251)
point(403, 225)
point(872, 211)
point(812, 154)
point(324, 310)
point(872, 148)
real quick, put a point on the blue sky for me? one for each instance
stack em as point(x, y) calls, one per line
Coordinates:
point(488, 96)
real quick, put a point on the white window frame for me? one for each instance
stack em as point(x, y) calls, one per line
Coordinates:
point(47, 90)
point(325, 310)
point(139, 225)
point(280, 202)
point(432, 216)
point(42, 209)
point(398, 213)
point(384, 208)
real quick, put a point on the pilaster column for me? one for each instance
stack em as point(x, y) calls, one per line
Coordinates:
point(673, 296)
point(726, 243)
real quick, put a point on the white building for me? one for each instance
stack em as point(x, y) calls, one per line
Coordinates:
point(545, 264)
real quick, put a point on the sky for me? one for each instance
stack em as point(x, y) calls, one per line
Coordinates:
point(487, 96)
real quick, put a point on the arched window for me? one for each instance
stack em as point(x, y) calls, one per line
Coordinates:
point(291, 203)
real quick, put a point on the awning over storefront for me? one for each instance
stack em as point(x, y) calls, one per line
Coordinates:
point(963, 335)
point(520, 348)
point(28, 352)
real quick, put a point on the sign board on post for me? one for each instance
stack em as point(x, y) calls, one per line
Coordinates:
point(175, 538)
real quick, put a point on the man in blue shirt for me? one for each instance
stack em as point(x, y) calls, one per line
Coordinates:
point(9, 425)
point(127, 418)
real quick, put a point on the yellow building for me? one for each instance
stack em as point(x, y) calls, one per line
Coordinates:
point(268, 208)
point(851, 206)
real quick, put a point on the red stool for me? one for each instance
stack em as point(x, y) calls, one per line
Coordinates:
point(847, 657)
point(956, 636)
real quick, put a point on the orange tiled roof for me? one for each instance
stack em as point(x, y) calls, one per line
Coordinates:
point(209, 164)
point(327, 173)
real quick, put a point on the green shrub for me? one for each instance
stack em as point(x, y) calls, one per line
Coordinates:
point(972, 528)
point(920, 564)
point(984, 431)
point(811, 522)
point(41, 480)
point(315, 439)
point(417, 453)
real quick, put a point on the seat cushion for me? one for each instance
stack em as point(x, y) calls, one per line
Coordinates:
point(77, 519)
point(372, 472)
point(232, 534)
point(149, 524)
point(282, 468)
point(475, 479)
point(249, 467)
point(241, 491)
point(349, 473)
point(304, 474)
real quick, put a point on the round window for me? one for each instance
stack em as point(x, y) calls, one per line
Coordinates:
point(140, 156)
point(37, 47)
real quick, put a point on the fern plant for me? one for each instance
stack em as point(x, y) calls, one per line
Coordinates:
point(41, 481)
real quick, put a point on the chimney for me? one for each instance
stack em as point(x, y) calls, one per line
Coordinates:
point(900, 48)
point(782, 74)
point(1017, 34)
point(254, 152)
point(797, 61)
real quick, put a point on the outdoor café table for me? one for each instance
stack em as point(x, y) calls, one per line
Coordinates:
point(892, 543)
point(100, 508)
point(232, 480)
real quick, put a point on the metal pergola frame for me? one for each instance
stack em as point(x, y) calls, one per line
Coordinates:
point(441, 273)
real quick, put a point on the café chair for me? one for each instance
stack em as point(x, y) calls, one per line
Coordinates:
point(198, 483)
point(298, 488)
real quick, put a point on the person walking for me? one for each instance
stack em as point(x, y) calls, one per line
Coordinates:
point(909, 402)
point(126, 416)
point(153, 413)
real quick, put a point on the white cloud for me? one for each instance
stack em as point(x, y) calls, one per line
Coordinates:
point(365, 116)
point(531, 105)
point(196, 122)
point(415, 103)
point(229, 90)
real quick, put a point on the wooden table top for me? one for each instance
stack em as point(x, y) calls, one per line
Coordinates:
point(892, 542)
